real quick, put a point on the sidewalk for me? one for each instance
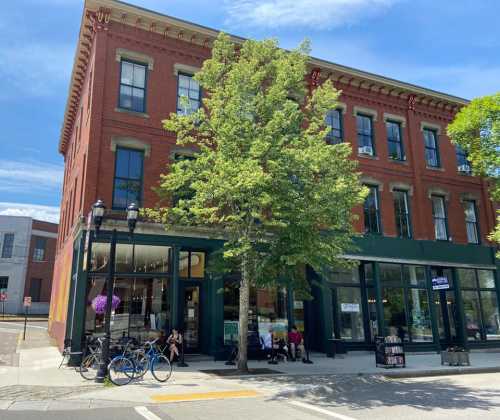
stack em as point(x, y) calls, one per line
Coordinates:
point(38, 383)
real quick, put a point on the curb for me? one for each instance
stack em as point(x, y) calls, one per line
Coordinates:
point(442, 372)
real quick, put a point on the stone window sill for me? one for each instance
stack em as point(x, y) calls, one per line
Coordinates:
point(128, 111)
point(399, 162)
point(433, 168)
point(368, 157)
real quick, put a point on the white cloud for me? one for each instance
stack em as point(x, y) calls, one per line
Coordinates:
point(29, 177)
point(45, 213)
point(34, 69)
point(317, 14)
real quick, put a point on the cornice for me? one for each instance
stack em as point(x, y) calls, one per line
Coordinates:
point(98, 14)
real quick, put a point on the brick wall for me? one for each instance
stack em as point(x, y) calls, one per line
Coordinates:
point(90, 164)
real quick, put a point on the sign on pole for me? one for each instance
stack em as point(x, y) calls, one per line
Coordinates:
point(3, 296)
point(440, 283)
point(27, 301)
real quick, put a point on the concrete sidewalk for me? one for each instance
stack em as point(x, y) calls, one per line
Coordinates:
point(38, 381)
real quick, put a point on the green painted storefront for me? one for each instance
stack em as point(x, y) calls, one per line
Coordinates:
point(162, 284)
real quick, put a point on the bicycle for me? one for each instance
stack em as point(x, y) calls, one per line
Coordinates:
point(121, 368)
point(149, 358)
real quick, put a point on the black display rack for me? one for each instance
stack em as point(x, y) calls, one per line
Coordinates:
point(389, 352)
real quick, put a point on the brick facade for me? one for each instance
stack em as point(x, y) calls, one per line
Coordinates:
point(93, 123)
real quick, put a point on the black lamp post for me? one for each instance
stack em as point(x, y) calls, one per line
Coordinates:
point(98, 210)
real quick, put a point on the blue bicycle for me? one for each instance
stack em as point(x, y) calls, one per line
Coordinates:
point(149, 357)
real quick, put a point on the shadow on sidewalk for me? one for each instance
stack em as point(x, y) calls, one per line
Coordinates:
point(362, 392)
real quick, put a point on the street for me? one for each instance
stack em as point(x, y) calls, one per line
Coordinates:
point(305, 397)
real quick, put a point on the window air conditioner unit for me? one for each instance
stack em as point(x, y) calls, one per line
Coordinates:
point(365, 150)
point(464, 168)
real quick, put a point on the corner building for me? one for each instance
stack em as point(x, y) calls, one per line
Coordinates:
point(425, 221)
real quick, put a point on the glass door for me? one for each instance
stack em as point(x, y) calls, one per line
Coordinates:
point(191, 318)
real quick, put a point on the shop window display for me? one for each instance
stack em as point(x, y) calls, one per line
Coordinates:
point(143, 309)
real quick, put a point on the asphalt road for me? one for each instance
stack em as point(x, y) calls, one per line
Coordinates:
point(454, 397)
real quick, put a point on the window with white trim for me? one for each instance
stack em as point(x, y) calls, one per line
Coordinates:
point(471, 222)
point(132, 86)
point(333, 121)
point(439, 215)
point(402, 213)
point(188, 94)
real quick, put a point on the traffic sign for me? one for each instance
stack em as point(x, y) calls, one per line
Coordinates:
point(3, 296)
point(27, 301)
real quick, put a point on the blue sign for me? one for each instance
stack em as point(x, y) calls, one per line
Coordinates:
point(440, 283)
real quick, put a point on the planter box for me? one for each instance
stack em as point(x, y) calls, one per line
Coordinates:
point(455, 358)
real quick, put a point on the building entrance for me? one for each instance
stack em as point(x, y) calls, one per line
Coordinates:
point(191, 318)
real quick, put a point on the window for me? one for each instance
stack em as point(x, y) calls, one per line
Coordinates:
point(431, 148)
point(471, 223)
point(8, 245)
point(39, 251)
point(364, 128)
point(439, 215)
point(35, 289)
point(188, 94)
point(128, 178)
point(405, 302)
point(4, 283)
point(371, 211)
point(480, 303)
point(394, 140)
point(402, 213)
point(192, 264)
point(463, 164)
point(133, 86)
point(333, 121)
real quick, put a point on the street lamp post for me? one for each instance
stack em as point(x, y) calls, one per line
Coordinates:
point(98, 211)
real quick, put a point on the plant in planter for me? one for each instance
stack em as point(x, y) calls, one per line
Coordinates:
point(455, 356)
point(99, 303)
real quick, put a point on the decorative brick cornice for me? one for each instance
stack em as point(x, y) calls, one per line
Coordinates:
point(99, 15)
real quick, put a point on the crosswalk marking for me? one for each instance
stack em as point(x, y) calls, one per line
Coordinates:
point(144, 412)
point(321, 410)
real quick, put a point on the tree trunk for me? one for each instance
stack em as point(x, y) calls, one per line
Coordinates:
point(243, 321)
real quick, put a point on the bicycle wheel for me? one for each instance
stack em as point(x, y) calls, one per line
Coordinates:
point(161, 368)
point(89, 366)
point(141, 361)
point(121, 370)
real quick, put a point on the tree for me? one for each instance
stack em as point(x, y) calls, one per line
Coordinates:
point(476, 129)
point(264, 177)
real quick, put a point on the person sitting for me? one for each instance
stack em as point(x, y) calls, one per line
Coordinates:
point(174, 341)
point(296, 342)
point(281, 349)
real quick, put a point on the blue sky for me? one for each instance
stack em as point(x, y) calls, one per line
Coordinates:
point(448, 45)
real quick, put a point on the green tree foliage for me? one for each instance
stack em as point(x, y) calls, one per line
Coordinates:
point(476, 129)
point(263, 177)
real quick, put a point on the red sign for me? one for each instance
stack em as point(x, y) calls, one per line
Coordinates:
point(27, 301)
point(3, 296)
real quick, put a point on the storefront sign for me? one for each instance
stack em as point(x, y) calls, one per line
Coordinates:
point(440, 283)
point(349, 307)
point(298, 304)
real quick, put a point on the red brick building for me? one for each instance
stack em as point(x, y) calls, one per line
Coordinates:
point(426, 218)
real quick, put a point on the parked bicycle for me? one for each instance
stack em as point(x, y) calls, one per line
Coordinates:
point(121, 367)
point(151, 357)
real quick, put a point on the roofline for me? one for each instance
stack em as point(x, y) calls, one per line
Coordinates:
point(212, 33)
point(313, 60)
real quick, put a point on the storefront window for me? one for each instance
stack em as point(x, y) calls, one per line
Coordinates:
point(271, 310)
point(142, 258)
point(406, 302)
point(420, 317)
point(471, 310)
point(143, 309)
point(394, 312)
point(491, 321)
point(344, 275)
point(99, 262)
point(192, 264)
point(350, 313)
point(480, 304)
